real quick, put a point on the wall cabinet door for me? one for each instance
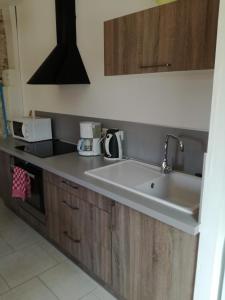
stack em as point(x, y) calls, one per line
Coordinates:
point(173, 37)
point(195, 34)
point(150, 259)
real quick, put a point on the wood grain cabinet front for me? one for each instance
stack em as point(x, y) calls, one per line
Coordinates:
point(174, 37)
point(151, 260)
point(94, 249)
point(136, 256)
point(80, 227)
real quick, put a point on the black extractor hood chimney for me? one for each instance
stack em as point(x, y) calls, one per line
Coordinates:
point(64, 65)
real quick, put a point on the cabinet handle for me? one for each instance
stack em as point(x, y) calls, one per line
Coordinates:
point(70, 238)
point(155, 66)
point(70, 185)
point(70, 206)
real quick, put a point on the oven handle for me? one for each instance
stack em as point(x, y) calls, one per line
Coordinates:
point(29, 174)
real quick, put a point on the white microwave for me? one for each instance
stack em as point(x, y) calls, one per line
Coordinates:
point(32, 129)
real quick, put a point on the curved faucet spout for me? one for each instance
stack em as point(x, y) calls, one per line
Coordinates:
point(165, 167)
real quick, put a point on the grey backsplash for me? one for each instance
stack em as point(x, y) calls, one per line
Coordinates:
point(142, 141)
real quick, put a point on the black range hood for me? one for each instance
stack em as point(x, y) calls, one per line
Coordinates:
point(64, 65)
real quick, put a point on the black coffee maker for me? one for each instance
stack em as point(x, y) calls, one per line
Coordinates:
point(113, 144)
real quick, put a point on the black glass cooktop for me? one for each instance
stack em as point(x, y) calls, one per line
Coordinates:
point(48, 148)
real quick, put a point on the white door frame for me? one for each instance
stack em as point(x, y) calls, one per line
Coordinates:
point(210, 265)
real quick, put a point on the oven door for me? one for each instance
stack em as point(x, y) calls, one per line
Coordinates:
point(35, 204)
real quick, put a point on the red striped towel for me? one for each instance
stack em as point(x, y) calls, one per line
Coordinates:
point(21, 187)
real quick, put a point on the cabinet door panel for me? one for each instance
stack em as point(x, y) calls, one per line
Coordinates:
point(175, 37)
point(94, 249)
point(65, 216)
point(83, 226)
point(150, 259)
point(102, 237)
point(122, 46)
point(196, 23)
point(51, 193)
point(149, 41)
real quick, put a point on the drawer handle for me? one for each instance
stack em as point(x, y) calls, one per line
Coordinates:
point(155, 66)
point(70, 185)
point(70, 238)
point(70, 206)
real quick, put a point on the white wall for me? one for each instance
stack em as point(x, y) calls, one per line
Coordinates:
point(180, 99)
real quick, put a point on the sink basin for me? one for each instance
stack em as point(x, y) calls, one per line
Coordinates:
point(179, 190)
point(176, 190)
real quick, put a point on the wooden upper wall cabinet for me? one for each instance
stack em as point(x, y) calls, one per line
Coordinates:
point(178, 36)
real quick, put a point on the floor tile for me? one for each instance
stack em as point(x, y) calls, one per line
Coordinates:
point(52, 251)
point(19, 235)
point(22, 265)
point(102, 294)
point(2, 205)
point(90, 297)
point(3, 286)
point(32, 290)
point(6, 218)
point(5, 249)
point(68, 282)
point(99, 294)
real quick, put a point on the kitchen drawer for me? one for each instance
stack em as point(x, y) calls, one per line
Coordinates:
point(64, 184)
point(68, 200)
point(93, 198)
point(98, 200)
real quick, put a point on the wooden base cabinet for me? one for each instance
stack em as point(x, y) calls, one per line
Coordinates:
point(82, 228)
point(136, 256)
point(151, 260)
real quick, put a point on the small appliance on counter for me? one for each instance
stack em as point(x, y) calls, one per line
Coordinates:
point(113, 144)
point(32, 129)
point(90, 139)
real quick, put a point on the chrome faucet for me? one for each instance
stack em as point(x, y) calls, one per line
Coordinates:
point(165, 168)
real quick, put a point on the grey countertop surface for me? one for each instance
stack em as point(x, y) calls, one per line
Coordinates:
point(72, 167)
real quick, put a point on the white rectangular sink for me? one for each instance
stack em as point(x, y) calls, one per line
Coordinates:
point(176, 190)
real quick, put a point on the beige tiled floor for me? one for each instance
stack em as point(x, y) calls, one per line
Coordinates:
point(32, 269)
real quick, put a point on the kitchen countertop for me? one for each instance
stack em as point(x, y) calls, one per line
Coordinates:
point(72, 167)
